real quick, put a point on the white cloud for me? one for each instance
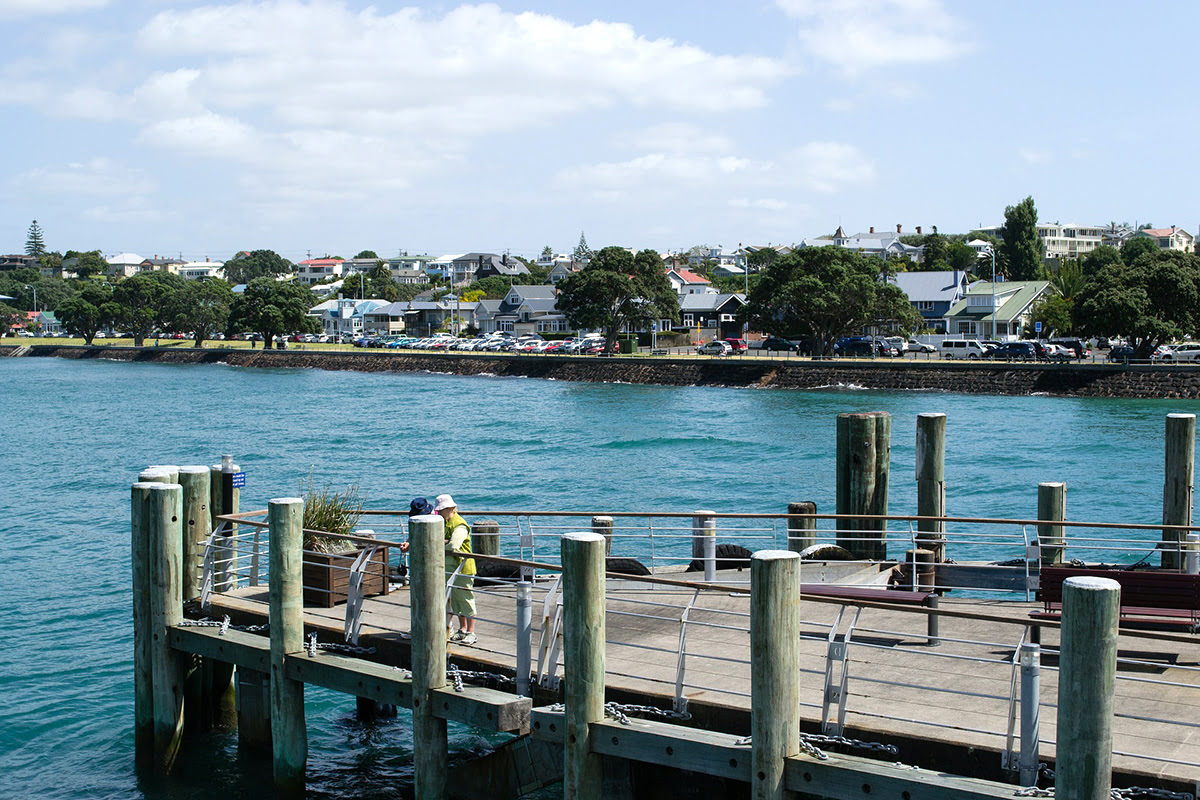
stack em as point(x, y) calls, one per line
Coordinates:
point(17, 9)
point(675, 137)
point(99, 177)
point(860, 35)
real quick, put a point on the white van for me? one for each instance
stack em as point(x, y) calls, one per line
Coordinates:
point(961, 348)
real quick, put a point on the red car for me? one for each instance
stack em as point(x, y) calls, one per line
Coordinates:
point(738, 345)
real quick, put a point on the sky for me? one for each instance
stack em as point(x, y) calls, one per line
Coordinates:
point(201, 129)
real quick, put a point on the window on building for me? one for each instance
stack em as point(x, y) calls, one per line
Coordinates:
point(689, 320)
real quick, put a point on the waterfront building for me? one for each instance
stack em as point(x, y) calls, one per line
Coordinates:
point(933, 294)
point(1061, 241)
point(195, 270)
point(316, 270)
point(340, 317)
point(686, 282)
point(1172, 238)
point(711, 315)
point(529, 309)
point(1009, 303)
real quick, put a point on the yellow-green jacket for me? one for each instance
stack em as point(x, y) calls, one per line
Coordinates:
point(458, 541)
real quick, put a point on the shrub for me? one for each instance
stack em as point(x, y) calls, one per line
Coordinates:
point(331, 512)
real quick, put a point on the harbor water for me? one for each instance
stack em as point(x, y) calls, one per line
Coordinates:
point(75, 435)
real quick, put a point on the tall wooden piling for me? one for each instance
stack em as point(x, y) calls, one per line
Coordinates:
point(485, 537)
point(864, 448)
point(1177, 484)
point(604, 526)
point(254, 710)
point(931, 483)
point(165, 511)
point(1086, 680)
point(143, 671)
point(801, 530)
point(1052, 506)
point(774, 668)
point(583, 661)
point(427, 597)
point(197, 525)
point(289, 736)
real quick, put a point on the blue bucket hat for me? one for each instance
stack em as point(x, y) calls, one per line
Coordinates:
point(419, 507)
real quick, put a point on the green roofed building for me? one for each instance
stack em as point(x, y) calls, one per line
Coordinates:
point(1013, 306)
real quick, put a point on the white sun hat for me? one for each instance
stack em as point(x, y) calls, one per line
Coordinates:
point(443, 501)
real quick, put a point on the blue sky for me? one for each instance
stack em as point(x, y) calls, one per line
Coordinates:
point(199, 128)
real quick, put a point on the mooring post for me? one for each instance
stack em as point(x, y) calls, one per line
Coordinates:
point(801, 530)
point(427, 595)
point(197, 525)
point(225, 553)
point(1086, 680)
point(774, 669)
point(218, 676)
point(485, 537)
point(583, 661)
point(253, 710)
point(143, 671)
point(1031, 689)
point(604, 526)
point(289, 735)
point(165, 510)
point(864, 447)
point(931, 483)
point(524, 637)
point(168, 472)
point(1052, 506)
point(1177, 484)
point(1191, 558)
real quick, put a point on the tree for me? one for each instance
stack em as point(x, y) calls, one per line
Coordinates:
point(269, 308)
point(934, 257)
point(961, 257)
point(8, 317)
point(21, 284)
point(141, 302)
point(85, 264)
point(1099, 260)
point(35, 244)
point(1150, 302)
point(762, 258)
point(1054, 312)
point(367, 254)
point(547, 253)
point(825, 293)
point(89, 311)
point(493, 287)
point(200, 308)
point(582, 253)
point(1021, 249)
point(246, 266)
point(377, 283)
point(1068, 279)
point(1136, 246)
point(616, 290)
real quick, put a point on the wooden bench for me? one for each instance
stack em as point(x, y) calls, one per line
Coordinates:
point(1149, 598)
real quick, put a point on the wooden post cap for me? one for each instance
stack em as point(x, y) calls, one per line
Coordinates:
point(1092, 583)
point(774, 555)
point(583, 536)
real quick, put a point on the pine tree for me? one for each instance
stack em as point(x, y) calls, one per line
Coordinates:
point(583, 253)
point(35, 245)
point(1020, 247)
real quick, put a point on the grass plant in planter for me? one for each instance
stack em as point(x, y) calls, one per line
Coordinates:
point(328, 558)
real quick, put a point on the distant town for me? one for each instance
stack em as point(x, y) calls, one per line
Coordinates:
point(1021, 280)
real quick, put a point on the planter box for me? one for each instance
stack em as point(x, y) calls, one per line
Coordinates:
point(327, 576)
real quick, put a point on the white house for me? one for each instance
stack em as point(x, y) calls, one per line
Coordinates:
point(1171, 238)
point(686, 282)
point(315, 270)
point(122, 265)
point(194, 270)
point(721, 255)
point(339, 316)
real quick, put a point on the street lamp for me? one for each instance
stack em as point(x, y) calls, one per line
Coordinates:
point(992, 253)
point(37, 325)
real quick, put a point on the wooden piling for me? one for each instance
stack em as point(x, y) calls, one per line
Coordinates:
point(485, 537)
point(931, 483)
point(219, 677)
point(864, 446)
point(1052, 506)
point(253, 710)
point(143, 680)
point(1177, 484)
point(583, 661)
point(604, 527)
point(427, 597)
point(289, 736)
point(197, 525)
point(164, 509)
point(774, 669)
point(801, 531)
point(1086, 680)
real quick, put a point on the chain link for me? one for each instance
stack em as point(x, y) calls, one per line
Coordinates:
point(621, 711)
point(335, 647)
point(1115, 794)
point(223, 624)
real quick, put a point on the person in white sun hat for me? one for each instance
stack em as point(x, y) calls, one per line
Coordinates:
point(458, 543)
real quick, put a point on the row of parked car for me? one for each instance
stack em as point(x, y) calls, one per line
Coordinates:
point(502, 342)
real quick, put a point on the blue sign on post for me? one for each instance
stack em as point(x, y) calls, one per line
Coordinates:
point(239, 480)
point(1037, 327)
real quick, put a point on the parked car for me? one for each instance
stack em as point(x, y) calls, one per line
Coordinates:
point(715, 348)
point(962, 348)
point(1121, 353)
point(1076, 346)
point(1188, 351)
point(913, 346)
point(1056, 352)
point(863, 348)
point(738, 345)
point(1013, 351)
point(777, 344)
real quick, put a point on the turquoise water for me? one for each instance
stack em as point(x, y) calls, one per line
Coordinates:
point(75, 434)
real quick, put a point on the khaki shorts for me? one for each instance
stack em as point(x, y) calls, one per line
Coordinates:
point(462, 599)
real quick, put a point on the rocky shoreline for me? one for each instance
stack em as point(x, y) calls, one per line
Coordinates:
point(1070, 380)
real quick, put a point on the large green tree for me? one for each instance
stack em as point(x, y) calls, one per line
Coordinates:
point(269, 308)
point(1099, 260)
point(85, 264)
point(22, 284)
point(762, 258)
point(35, 242)
point(1150, 302)
point(142, 302)
point(826, 292)
point(960, 256)
point(618, 289)
point(1054, 312)
point(199, 308)
point(378, 283)
point(1020, 253)
point(88, 312)
point(8, 317)
point(1136, 246)
point(246, 266)
point(367, 254)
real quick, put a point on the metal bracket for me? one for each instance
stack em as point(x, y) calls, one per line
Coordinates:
point(1008, 758)
point(680, 704)
point(833, 704)
point(354, 593)
point(549, 644)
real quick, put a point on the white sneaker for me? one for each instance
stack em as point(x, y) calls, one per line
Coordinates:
point(468, 639)
point(458, 636)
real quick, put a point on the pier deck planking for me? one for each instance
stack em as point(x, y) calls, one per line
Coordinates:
point(891, 668)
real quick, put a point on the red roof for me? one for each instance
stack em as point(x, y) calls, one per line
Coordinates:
point(321, 262)
point(1159, 231)
point(691, 277)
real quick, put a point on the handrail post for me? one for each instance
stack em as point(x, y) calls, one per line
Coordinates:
point(1086, 680)
point(1031, 683)
point(165, 511)
point(583, 645)
point(1052, 507)
point(1177, 484)
point(774, 669)
point(427, 563)
point(524, 636)
point(289, 735)
point(703, 527)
